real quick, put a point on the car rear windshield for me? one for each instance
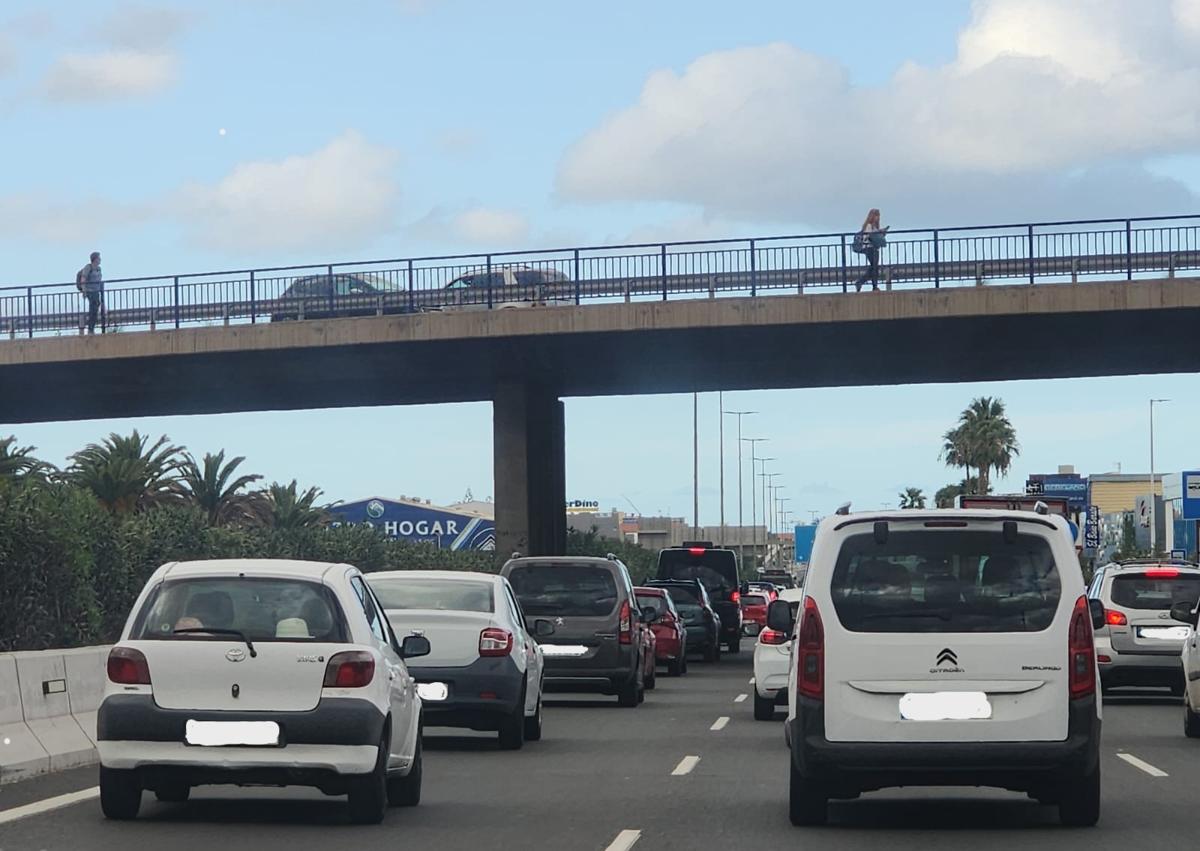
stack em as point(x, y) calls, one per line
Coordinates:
point(1144, 591)
point(753, 600)
point(717, 569)
point(578, 590)
point(262, 609)
point(658, 603)
point(946, 581)
point(446, 595)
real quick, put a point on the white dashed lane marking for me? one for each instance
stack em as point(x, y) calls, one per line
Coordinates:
point(685, 766)
point(720, 723)
point(740, 698)
point(625, 840)
point(1142, 765)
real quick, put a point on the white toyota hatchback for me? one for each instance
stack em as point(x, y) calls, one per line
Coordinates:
point(949, 647)
point(260, 672)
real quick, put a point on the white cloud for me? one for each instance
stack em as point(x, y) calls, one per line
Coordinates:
point(1044, 100)
point(491, 226)
point(108, 75)
point(36, 216)
point(338, 197)
point(139, 27)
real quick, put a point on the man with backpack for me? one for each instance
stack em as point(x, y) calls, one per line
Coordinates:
point(90, 282)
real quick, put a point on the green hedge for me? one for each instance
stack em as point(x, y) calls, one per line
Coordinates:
point(70, 570)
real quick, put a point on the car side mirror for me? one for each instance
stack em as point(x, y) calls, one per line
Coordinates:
point(779, 616)
point(414, 646)
point(650, 614)
point(542, 628)
point(1183, 613)
point(1097, 609)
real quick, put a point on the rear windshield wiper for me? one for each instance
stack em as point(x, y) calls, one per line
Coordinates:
point(191, 630)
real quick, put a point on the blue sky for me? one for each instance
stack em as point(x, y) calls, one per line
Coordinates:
point(423, 126)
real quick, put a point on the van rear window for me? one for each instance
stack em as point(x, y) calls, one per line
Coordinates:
point(946, 581)
point(716, 569)
point(573, 590)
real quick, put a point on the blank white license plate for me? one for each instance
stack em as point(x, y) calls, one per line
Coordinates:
point(945, 706)
point(432, 691)
point(564, 650)
point(1165, 633)
point(226, 733)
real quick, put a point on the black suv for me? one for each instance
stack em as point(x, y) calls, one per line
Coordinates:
point(717, 570)
point(703, 624)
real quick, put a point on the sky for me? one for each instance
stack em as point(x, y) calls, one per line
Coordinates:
point(186, 136)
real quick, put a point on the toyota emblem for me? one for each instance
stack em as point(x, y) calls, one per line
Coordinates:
point(237, 654)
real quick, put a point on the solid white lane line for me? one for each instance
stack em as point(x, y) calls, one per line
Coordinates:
point(625, 840)
point(1143, 765)
point(49, 804)
point(720, 723)
point(685, 766)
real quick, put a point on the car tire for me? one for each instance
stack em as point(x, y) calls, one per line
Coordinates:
point(712, 653)
point(808, 805)
point(1191, 722)
point(735, 645)
point(1079, 804)
point(675, 668)
point(627, 694)
point(367, 800)
point(533, 723)
point(512, 727)
point(406, 791)
point(764, 707)
point(120, 793)
point(175, 793)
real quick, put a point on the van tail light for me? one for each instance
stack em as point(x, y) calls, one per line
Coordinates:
point(350, 669)
point(735, 597)
point(1115, 618)
point(1081, 651)
point(773, 636)
point(1162, 573)
point(495, 642)
point(625, 624)
point(128, 667)
point(810, 645)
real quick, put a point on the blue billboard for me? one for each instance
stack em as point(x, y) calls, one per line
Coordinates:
point(1069, 486)
point(410, 521)
point(805, 535)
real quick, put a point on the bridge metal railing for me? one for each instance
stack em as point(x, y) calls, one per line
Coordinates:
point(1046, 252)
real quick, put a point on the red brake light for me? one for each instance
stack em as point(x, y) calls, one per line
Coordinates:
point(625, 624)
point(1115, 618)
point(696, 551)
point(495, 642)
point(350, 669)
point(1162, 573)
point(1081, 651)
point(735, 597)
point(773, 636)
point(810, 642)
point(128, 667)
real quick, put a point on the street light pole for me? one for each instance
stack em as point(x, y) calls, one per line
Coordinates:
point(753, 441)
point(767, 483)
point(753, 495)
point(741, 524)
point(721, 455)
point(1153, 496)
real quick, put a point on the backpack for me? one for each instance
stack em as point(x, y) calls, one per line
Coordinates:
point(81, 277)
point(861, 242)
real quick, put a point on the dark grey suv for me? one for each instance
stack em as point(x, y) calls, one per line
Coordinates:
point(597, 641)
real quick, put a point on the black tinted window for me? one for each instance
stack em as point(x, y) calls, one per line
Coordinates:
point(946, 581)
point(577, 590)
point(716, 569)
point(1143, 591)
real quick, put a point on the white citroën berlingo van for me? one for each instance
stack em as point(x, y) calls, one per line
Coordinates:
point(938, 648)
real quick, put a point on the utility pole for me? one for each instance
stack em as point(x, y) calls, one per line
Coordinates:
point(768, 480)
point(1153, 498)
point(721, 455)
point(696, 463)
point(753, 441)
point(741, 524)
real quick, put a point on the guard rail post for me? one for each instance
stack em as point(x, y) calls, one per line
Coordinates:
point(937, 263)
point(575, 275)
point(176, 302)
point(845, 268)
point(662, 268)
point(412, 304)
point(253, 300)
point(1128, 250)
point(489, 281)
point(29, 308)
point(332, 288)
point(1030, 238)
point(753, 270)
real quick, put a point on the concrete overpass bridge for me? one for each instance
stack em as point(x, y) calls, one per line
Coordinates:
point(950, 319)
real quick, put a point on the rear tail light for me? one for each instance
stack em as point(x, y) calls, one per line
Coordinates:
point(128, 667)
point(696, 551)
point(350, 669)
point(735, 597)
point(1115, 618)
point(773, 636)
point(625, 624)
point(1162, 573)
point(1081, 651)
point(495, 642)
point(810, 643)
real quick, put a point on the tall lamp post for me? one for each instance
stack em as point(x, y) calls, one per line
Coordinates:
point(780, 529)
point(768, 480)
point(1153, 497)
point(753, 441)
point(739, 415)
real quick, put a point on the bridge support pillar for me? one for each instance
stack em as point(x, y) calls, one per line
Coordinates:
point(529, 468)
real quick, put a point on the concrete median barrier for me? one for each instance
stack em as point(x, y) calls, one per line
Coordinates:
point(21, 754)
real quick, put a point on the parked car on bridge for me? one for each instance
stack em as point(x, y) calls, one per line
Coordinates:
point(512, 287)
point(342, 294)
point(717, 570)
point(486, 668)
point(260, 671)
point(670, 632)
point(772, 655)
point(702, 624)
point(598, 641)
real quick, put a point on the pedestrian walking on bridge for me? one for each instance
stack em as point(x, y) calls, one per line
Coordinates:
point(90, 282)
point(870, 238)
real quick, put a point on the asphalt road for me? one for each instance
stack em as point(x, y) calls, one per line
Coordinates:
point(603, 772)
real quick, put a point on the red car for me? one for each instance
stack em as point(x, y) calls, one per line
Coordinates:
point(754, 611)
point(669, 632)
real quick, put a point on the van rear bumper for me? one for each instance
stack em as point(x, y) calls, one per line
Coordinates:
point(847, 768)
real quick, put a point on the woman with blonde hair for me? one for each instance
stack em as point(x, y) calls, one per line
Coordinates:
point(870, 238)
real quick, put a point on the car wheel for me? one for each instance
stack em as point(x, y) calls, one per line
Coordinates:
point(675, 668)
point(368, 800)
point(512, 727)
point(735, 645)
point(712, 653)
point(533, 724)
point(627, 694)
point(807, 804)
point(175, 793)
point(1079, 805)
point(406, 791)
point(120, 793)
point(1191, 722)
point(764, 707)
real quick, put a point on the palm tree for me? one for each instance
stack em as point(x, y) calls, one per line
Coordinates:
point(956, 451)
point(126, 474)
point(211, 486)
point(290, 509)
point(912, 498)
point(991, 438)
point(20, 463)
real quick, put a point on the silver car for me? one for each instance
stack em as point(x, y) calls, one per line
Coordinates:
point(1139, 644)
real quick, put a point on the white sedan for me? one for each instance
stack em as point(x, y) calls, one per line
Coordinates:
point(1191, 669)
point(772, 655)
point(486, 669)
point(260, 672)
